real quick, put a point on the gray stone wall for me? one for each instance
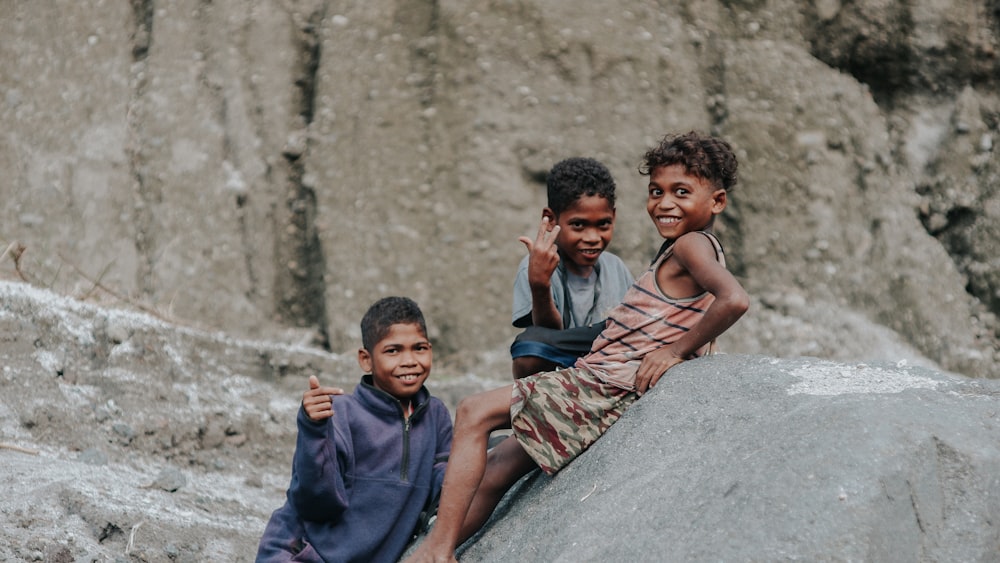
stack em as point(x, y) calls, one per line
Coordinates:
point(270, 168)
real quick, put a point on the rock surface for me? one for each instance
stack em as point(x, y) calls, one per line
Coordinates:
point(750, 458)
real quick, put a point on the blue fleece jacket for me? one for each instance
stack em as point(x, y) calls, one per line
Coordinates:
point(360, 479)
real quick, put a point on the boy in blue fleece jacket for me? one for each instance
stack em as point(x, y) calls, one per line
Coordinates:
point(368, 464)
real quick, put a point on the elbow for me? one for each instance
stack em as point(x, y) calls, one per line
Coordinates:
point(739, 304)
point(317, 508)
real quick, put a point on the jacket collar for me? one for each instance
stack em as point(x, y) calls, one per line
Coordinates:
point(380, 400)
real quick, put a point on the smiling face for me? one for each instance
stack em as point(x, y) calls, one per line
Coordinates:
point(585, 229)
point(680, 202)
point(400, 362)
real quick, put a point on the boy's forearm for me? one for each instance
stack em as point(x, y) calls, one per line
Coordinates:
point(543, 308)
point(318, 491)
point(318, 499)
point(722, 314)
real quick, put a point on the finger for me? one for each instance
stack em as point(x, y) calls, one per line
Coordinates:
point(321, 395)
point(313, 382)
point(553, 235)
point(543, 226)
point(544, 231)
point(318, 414)
point(641, 383)
point(314, 397)
point(655, 379)
point(318, 403)
point(527, 242)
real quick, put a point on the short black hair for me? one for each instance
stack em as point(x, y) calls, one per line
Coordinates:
point(573, 178)
point(709, 158)
point(386, 312)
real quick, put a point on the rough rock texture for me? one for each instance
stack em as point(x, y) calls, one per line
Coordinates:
point(750, 458)
point(124, 438)
point(270, 168)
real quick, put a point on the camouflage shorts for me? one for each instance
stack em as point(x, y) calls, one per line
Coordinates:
point(557, 415)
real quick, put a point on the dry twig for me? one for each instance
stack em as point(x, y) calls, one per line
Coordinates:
point(16, 250)
point(131, 537)
point(4, 446)
point(97, 284)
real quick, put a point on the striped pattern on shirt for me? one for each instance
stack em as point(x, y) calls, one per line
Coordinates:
point(645, 320)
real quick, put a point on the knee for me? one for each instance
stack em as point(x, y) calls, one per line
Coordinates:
point(520, 367)
point(530, 365)
point(469, 413)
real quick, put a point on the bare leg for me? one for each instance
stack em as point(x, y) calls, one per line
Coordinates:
point(530, 365)
point(505, 464)
point(477, 416)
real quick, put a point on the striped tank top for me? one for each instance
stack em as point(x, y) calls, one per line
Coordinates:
point(645, 320)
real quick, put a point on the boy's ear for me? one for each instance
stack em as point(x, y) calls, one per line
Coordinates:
point(719, 200)
point(547, 213)
point(364, 360)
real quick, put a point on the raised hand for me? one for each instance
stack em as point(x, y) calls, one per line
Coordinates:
point(318, 401)
point(543, 254)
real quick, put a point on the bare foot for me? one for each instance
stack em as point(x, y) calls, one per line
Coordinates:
point(428, 553)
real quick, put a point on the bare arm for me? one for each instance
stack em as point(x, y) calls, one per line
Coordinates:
point(696, 256)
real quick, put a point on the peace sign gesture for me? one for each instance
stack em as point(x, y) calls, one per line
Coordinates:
point(543, 259)
point(543, 254)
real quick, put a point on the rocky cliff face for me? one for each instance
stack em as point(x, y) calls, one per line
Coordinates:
point(271, 168)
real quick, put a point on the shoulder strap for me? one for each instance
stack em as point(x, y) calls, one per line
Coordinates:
point(720, 254)
point(716, 244)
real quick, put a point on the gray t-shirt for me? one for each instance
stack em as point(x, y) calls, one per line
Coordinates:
point(609, 282)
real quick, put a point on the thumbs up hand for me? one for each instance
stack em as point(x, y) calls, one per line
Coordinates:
point(318, 401)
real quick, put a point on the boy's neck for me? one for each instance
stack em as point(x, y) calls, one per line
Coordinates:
point(579, 271)
point(574, 268)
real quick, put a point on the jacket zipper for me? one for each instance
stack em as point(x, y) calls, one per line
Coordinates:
point(404, 472)
point(406, 449)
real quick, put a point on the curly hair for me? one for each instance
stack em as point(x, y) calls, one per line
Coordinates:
point(573, 178)
point(709, 158)
point(386, 312)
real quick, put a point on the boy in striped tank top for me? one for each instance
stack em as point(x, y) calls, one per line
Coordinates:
point(672, 313)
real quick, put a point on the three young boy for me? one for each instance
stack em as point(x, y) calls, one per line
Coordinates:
point(672, 313)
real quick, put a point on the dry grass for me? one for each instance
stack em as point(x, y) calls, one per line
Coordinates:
point(15, 250)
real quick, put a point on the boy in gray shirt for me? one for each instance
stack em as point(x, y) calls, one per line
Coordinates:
point(567, 282)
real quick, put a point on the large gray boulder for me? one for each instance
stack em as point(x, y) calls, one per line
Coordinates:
point(750, 458)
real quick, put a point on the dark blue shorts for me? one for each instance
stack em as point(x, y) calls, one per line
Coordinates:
point(560, 346)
